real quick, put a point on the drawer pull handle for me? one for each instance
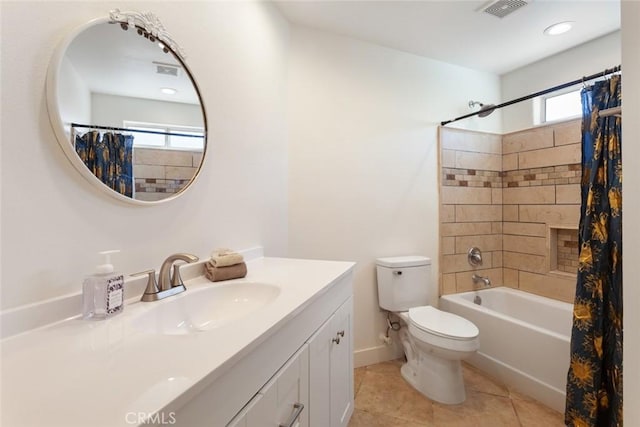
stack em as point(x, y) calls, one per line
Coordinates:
point(341, 333)
point(336, 340)
point(298, 407)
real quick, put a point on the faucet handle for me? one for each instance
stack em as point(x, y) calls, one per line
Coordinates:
point(474, 257)
point(176, 280)
point(152, 285)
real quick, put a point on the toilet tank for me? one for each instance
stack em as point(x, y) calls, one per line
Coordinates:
point(403, 282)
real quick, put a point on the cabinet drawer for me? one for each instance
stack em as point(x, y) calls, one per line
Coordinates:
point(283, 400)
point(254, 406)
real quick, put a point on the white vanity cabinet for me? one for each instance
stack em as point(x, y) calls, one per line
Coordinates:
point(331, 370)
point(315, 387)
point(249, 371)
point(308, 360)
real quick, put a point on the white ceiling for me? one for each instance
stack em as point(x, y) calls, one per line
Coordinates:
point(457, 31)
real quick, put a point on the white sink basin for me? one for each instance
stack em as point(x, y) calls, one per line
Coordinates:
point(200, 310)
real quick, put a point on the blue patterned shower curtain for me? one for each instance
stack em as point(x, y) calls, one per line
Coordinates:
point(109, 157)
point(594, 380)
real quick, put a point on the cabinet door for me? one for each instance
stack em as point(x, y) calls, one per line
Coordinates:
point(331, 370)
point(341, 361)
point(320, 376)
point(284, 400)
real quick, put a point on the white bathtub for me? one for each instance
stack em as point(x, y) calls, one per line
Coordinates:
point(524, 339)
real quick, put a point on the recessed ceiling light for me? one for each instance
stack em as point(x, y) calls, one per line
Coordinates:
point(168, 90)
point(559, 28)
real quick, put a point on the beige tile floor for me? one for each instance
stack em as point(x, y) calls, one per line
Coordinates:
point(384, 399)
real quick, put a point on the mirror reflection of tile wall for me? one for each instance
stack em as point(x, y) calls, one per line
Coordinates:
point(158, 173)
point(538, 189)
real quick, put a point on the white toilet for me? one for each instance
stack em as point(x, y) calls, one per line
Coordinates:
point(434, 341)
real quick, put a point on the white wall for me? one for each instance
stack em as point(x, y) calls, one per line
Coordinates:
point(363, 175)
point(53, 222)
point(74, 94)
point(112, 110)
point(589, 58)
point(631, 208)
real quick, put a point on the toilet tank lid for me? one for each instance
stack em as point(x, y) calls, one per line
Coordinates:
point(403, 261)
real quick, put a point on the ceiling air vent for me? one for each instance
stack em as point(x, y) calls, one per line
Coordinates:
point(502, 8)
point(167, 69)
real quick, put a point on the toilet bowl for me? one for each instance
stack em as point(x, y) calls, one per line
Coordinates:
point(434, 341)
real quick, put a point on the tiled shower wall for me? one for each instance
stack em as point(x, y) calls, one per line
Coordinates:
point(541, 199)
point(471, 207)
point(532, 202)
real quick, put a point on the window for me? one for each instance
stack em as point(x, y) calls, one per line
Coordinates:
point(563, 106)
point(178, 137)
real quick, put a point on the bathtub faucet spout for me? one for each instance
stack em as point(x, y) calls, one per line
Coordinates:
point(485, 280)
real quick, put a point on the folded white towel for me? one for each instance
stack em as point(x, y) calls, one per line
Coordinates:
point(225, 258)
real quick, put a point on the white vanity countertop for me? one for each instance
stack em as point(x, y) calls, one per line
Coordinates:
point(94, 373)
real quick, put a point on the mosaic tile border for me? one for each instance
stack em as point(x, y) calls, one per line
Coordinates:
point(552, 175)
point(454, 177)
point(158, 185)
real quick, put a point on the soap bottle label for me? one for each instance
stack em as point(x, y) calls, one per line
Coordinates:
point(115, 295)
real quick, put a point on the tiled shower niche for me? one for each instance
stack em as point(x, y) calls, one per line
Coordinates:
point(563, 256)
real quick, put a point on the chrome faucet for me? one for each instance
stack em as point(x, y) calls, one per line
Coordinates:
point(170, 284)
point(477, 278)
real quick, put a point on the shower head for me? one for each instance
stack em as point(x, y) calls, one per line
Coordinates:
point(485, 109)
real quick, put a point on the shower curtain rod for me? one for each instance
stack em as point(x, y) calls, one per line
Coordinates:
point(77, 125)
point(542, 92)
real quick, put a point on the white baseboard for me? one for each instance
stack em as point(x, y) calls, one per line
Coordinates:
point(377, 354)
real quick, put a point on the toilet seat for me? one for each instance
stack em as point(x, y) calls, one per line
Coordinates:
point(442, 324)
point(451, 334)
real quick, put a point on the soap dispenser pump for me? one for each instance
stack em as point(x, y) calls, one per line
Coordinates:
point(103, 291)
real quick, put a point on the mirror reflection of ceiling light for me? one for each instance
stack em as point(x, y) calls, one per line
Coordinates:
point(168, 90)
point(559, 28)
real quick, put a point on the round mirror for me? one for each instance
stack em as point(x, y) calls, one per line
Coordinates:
point(126, 109)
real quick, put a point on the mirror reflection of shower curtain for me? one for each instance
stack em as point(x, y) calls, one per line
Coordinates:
point(109, 157)
point(594, 379)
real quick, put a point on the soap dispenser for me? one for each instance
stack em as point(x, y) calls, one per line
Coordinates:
point(103, 291)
